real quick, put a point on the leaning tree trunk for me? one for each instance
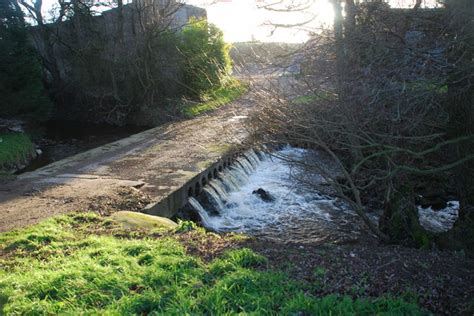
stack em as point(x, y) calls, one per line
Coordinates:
point(400, 221)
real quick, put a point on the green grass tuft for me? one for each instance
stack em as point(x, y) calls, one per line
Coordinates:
point(310, 98)
point(85, 264)
point(14, 148)
point(245, 258)
point(216, 98)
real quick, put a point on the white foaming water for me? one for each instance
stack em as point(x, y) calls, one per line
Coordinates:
point(295, 214)
point(205, 218)
point(440, 220)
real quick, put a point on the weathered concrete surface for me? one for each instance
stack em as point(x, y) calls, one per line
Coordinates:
point(124, 175)
point(144, 221)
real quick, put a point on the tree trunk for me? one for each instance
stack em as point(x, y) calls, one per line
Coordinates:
point(400, 222)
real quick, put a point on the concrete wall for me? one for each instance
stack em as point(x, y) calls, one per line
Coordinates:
point(177, 199)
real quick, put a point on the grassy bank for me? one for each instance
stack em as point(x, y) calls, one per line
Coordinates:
point(310, 98)
point(216, 98)
point(14, 148)
point(85, 264)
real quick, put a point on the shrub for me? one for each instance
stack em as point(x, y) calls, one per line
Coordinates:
point(15, 148)
point(205, 56)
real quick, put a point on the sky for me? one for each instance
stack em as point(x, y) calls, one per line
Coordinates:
point(245, 20)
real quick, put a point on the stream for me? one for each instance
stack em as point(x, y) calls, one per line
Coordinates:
point(61, 139)
point(286, 211)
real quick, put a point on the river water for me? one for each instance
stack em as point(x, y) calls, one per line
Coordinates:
point(61, 139)
point(294, 213)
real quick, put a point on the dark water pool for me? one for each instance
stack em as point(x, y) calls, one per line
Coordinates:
point(61, 139)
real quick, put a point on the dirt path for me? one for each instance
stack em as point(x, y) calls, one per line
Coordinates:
point(127, 174)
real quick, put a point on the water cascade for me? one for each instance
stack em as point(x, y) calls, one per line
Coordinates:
point(218, 186)
point(205, 218)
point(214, 199)
point(294, 214)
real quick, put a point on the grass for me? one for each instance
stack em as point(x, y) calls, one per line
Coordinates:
point(85, 264)
point(310, 98)
point(216, 98)
point(14, 148)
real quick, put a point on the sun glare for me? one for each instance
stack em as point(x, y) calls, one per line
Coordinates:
point(248, 20)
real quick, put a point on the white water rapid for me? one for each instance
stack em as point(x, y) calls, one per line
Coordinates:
point(289, 212)
point(294, 213)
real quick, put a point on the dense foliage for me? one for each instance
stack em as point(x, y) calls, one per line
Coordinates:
point(21, 88)
point(206, 60)
point(15, 149)
point(105, 77)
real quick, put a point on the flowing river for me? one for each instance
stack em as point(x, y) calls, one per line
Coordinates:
point(290, 212)
point(286, 211)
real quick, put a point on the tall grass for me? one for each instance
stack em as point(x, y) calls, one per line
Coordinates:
point(216, 98)
point(83, 264)
point(14, 148)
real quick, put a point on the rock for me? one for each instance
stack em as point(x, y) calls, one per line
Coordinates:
point(231, 205)
point(141, 220)
point(39, 152)
point(433, 193)
point(11, 125)
point(424, 202)
point(438, 203)
point(264, 195)
point(452, 198)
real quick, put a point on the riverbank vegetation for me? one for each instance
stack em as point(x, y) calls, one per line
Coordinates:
point(15, 149)
point(81, 71)
point(85, 263)
point(213, 99)
point(398, 125)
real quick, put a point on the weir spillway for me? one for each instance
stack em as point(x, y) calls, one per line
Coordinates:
point(259, 194)
point(264, 195)
point(224, 171)
point(166, 164)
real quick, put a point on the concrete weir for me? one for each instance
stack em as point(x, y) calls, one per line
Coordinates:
point(169, 205)
point(160, 167)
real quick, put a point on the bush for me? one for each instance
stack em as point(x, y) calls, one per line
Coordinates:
point(206, 59)
point(192, 63)
point(14, 149)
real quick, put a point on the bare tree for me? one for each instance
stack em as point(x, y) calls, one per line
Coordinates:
point(117, 62)
point(378, 83)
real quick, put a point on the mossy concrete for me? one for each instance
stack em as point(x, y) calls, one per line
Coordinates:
point(165, 163)
point(139, 220)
